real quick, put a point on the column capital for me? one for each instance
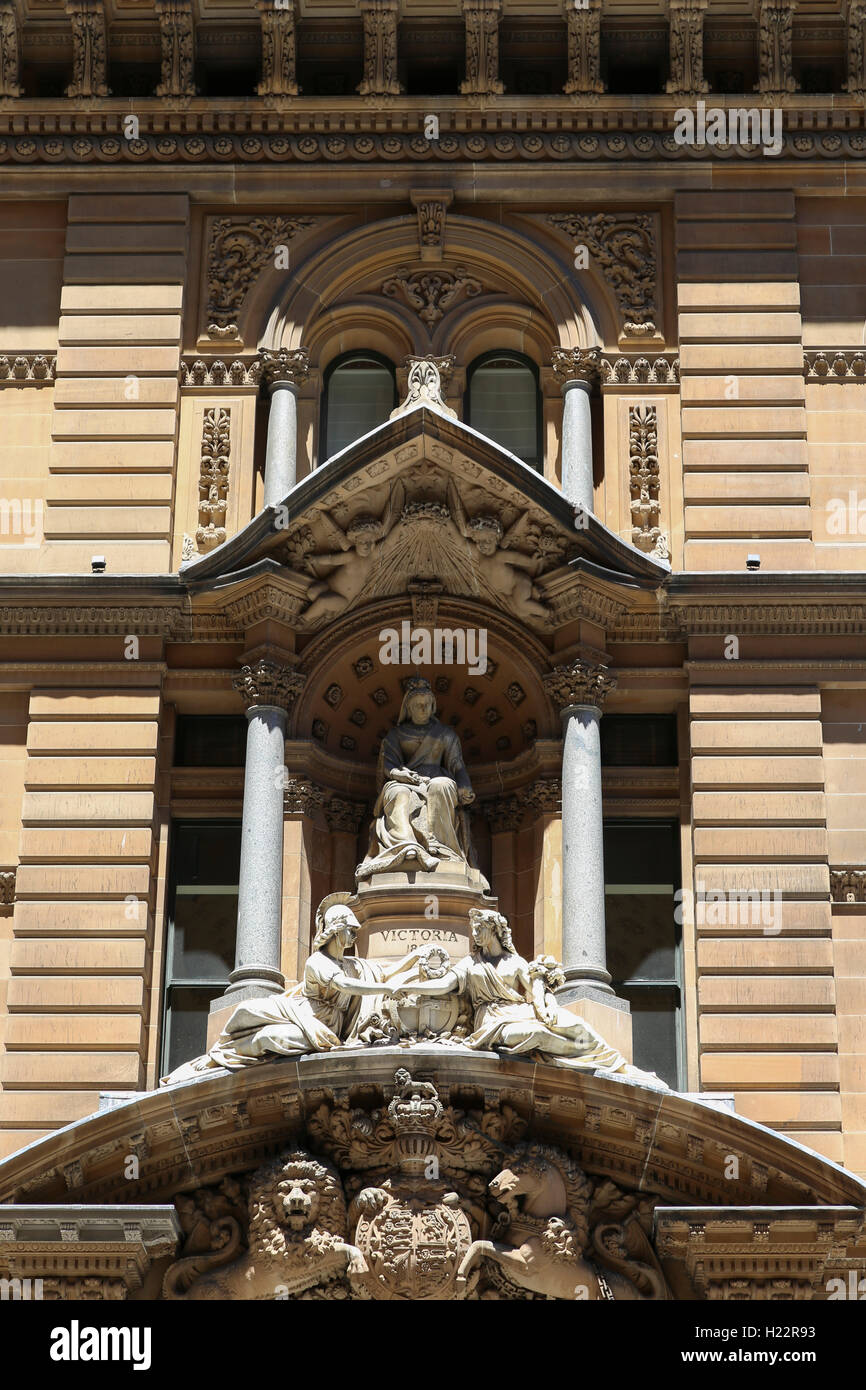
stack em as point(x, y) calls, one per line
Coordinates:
point(344, 815)
point(291, 365)
point(504, 814)
point(300, 797)
point(544, 796)
point(268, 683)
point(579, 683)
point(582, 365)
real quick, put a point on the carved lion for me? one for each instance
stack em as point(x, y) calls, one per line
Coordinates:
point(297, 1228)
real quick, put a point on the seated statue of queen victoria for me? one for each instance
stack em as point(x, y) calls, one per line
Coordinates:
point(423, 786)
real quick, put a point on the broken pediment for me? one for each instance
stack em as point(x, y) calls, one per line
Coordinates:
point(425, 499)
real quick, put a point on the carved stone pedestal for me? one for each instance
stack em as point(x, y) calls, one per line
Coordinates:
point(399, 911)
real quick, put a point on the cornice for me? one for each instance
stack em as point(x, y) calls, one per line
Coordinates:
point(311, 130)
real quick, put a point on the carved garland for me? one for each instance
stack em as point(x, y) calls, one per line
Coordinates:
point(430, 294)
point(624, 246)
point(238, 251)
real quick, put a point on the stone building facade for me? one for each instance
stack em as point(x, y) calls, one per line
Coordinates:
point(328, 321)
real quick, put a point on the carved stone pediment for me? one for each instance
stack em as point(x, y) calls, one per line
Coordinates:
point(423, 500)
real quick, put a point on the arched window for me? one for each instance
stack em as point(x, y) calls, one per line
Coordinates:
point(360, 393)
point(503, 401)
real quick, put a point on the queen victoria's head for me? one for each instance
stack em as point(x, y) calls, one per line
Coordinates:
point(489, 929)
point(335, 923)
point(419, 702)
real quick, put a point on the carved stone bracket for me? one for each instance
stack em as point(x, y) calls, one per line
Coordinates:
point(432, 209)
point(430, 294)
point(267, 683)
point(7, 886)
point(856, 48)
point(88, 49)
point(775, 33)
point(380, 48)
point(285, 364)
point(178, 48)
point(848, 885)
point(584, 48)
point(424, 385)
point(643, 474)
point(213, 483)
point(578, 683)
point(576, 364)
point(278, 51)
point(10, 50)
point(238, 251)
point(687, 48)
point(482, 48)
point(625, 247)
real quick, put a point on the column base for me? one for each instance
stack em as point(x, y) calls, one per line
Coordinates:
point(606, 1013)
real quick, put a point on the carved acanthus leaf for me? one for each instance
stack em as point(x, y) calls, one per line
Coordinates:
point(584, 48)
point(178, 48)
point(687, 48)
point(278, 51)
point(88, 49)
point(380, 48)
point(579, 683)
point(10, 50)
point(213, 483)
point(268, 683)
point(775, 34)
point(430, 294)
point(643, 473)
point(482, 48)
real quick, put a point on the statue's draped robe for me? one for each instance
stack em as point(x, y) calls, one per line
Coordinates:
point(505, 1018)
point(417, 826)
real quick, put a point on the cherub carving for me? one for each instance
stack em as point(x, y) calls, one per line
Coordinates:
point(340, 575)
point(511, 574)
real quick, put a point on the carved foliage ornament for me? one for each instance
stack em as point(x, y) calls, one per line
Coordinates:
point(278, 50)
point(10, 54)
point(482, 48)
point(431, 293)
point(380, 48)
point(285, 364)
point(576, 364)
point(584, 48)
point(88, 49)
point(856, 37)
point(775, 32)
point(579, 683)
point(213, 484)
point(687, 48)
point(27, 367)
point(178, 48)
point(848, 885)
point(624, 246)
point(7, 886)
point(424, 385)
point(267, 683)
point(239, 249)
point(217, 371)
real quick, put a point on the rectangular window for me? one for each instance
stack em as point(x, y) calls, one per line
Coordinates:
point(639, 740)
point(210, 740)
point(644, 946)
point(202, 923)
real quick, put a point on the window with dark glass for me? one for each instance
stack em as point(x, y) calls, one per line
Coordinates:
point(202, 924)
point(644, 945)
point(639, 740)
point(360, 393)
point(210, 740)
point(503, 402)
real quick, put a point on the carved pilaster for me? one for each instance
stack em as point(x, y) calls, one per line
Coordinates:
point(10, 50)
point(268, 683)
point(482, 48)
point(576, 364)
point(278, 51)
point(643, 473)
point(178, 48)
point(775, 32)
point(579, 683)
point(856, 41)
point(380, 48)
point(584, 48)
point(285, 364)
point(687, 48)
point(213, 483)
point(88, 49)
point(301, 798)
